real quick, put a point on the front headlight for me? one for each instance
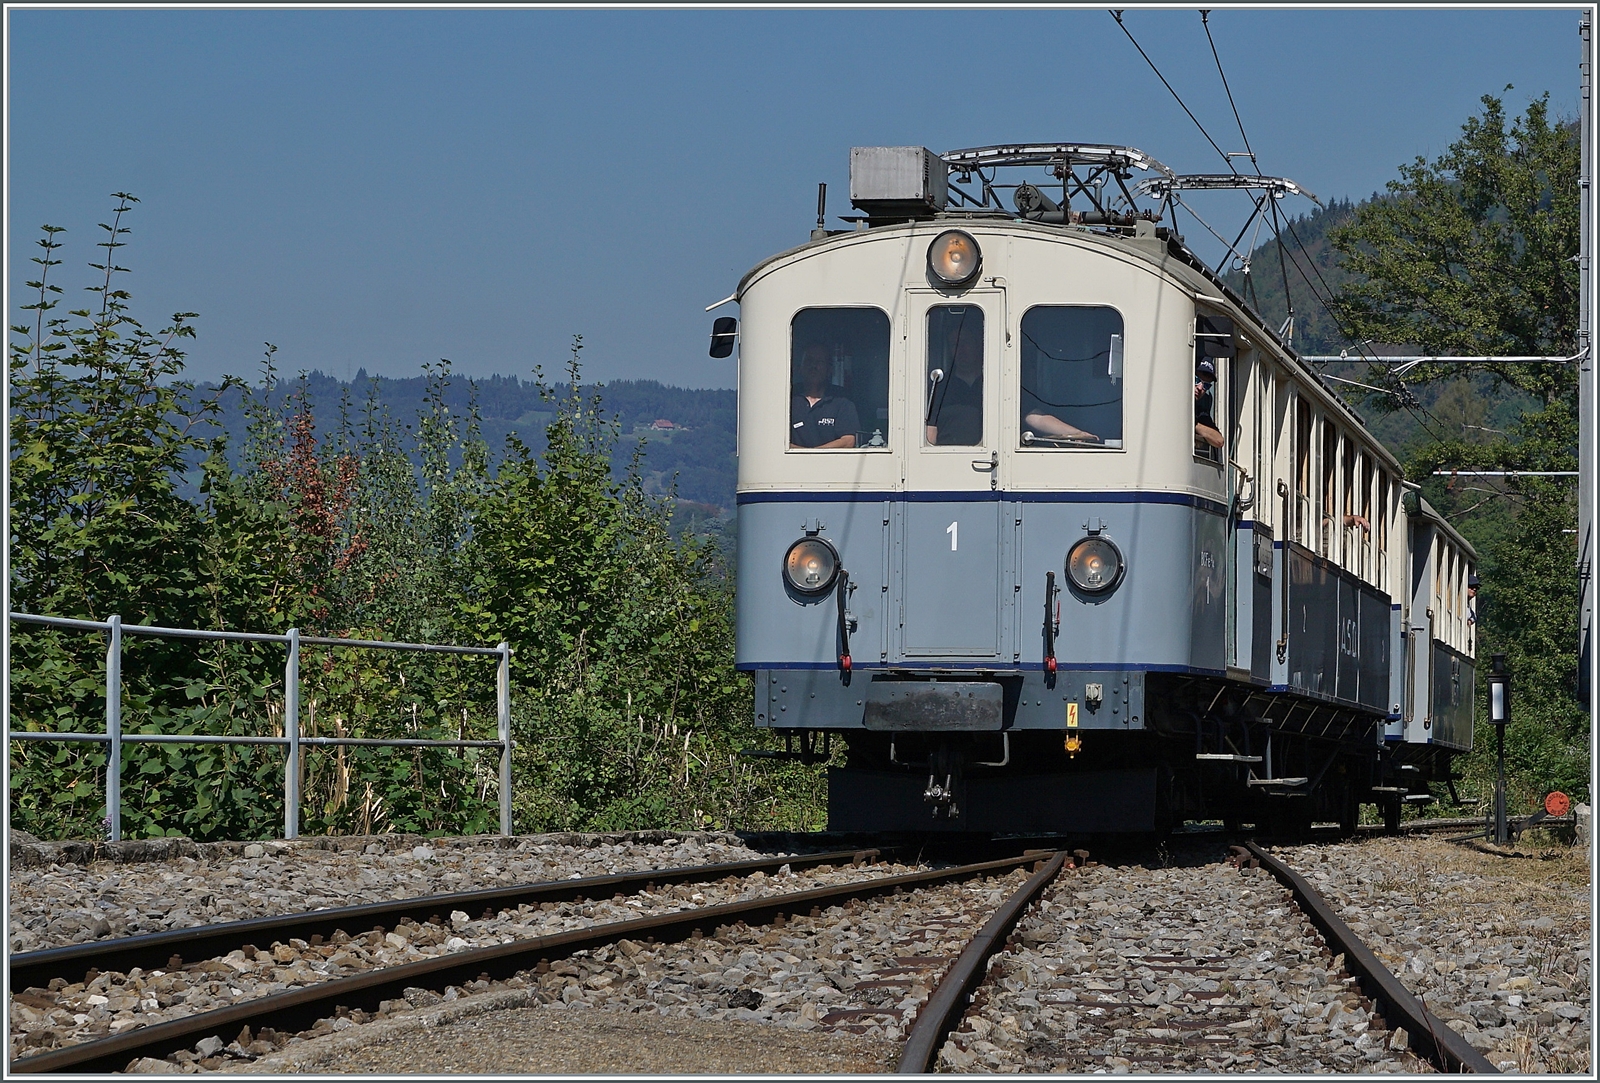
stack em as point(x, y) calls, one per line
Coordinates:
point(810, 566)
point(954, 258)
point(1094, 564)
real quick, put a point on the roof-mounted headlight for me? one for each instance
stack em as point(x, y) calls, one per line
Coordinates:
point(1094, 564)
point(954, 258)
point(811, 566)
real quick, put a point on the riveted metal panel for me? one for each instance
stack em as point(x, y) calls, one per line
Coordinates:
point(775, 626)
point(1208, 643)
point(1313, 625)
point(1372, 690)
point(934, 705)
point(1257, 580)
point(950, 580)
point(1348, 626)
point(1454, 682)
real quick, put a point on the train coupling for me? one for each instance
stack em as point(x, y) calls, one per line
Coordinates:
point(942, 796)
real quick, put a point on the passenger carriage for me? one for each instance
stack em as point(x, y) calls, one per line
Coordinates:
point(1024, 589)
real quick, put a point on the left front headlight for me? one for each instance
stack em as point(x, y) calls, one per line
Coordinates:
point(1094, 564)
point(811, 566)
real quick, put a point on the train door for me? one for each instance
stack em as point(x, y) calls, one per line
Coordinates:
point(950, 550)
point(1238, 450)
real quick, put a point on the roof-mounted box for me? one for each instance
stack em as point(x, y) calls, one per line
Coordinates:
point(897, 182)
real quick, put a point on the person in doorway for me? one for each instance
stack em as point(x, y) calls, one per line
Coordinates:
point(1205, 422)
point(1472, 608)
point(955, 415)
point(820, 416)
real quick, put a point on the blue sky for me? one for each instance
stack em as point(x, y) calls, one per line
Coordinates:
point(380, 189)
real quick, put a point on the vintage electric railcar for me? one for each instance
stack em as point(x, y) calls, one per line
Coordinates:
point(999, 534)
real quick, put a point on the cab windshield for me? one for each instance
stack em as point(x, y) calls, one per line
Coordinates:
point(1071, 377)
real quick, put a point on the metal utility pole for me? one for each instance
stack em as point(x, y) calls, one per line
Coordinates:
point(1500, 715)
point(1586, 389)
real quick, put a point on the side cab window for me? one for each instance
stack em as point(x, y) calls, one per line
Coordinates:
point(1213, 346)
point(839, 379)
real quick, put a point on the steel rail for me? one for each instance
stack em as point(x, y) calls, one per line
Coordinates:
point(1419, 827)
point(155, 950)
point(943, 1009)
point(297, 1009)
point(1428, 1034)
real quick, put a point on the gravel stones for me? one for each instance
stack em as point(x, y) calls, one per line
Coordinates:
point(834, 990)
point(1193, 967)
point(1497, 946)
point(507, 1033)
point(109, 1003)
point(66, 901)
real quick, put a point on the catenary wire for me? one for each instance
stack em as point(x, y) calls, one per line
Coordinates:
point(1205, 22)
point(1116, 13)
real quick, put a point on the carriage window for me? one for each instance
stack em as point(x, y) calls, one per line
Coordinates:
point(839, 378)
point(954, 408)
point(1302, 458)
point(1381, 525)
point(1071, 376)
point(1330, 461)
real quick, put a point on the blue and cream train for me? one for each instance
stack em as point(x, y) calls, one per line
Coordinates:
point(1027, 589)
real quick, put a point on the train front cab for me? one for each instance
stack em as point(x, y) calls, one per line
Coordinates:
point(948, 547)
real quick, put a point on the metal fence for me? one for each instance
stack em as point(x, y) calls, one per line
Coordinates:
point(291, 738)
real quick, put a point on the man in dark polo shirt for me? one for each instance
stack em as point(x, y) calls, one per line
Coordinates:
point(819, 417)
point(956, 414)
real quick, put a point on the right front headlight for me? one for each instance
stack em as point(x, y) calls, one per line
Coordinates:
point(1094, 564)
point(810, 566)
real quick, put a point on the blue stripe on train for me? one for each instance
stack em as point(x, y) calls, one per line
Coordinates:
point(1215, 507)
point(991, 667)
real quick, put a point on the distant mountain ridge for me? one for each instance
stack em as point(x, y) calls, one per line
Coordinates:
point(698, 449)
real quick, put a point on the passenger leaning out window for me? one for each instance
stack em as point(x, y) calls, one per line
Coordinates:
point(1205, 420)
point(820, 416)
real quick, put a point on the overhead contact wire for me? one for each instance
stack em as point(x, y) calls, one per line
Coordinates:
point(1205, 22)
point(1117, 15)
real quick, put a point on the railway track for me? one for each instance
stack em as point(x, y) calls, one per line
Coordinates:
point(367, 992)
point(1468, 823)
point(169, 949)
point(943, 998)
point(1105, 1003)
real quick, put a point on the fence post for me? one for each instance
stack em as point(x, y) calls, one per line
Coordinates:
point(114, 728)
point(291, 730)
point(503, 696)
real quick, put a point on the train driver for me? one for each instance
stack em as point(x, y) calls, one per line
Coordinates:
point(820, 416)
point(956, 416)
point(1205, 423)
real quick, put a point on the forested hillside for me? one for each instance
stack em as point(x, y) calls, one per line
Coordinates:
point(695, 454)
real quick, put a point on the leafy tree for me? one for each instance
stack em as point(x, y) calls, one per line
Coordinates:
point(631, 712)
point(1473, 254)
